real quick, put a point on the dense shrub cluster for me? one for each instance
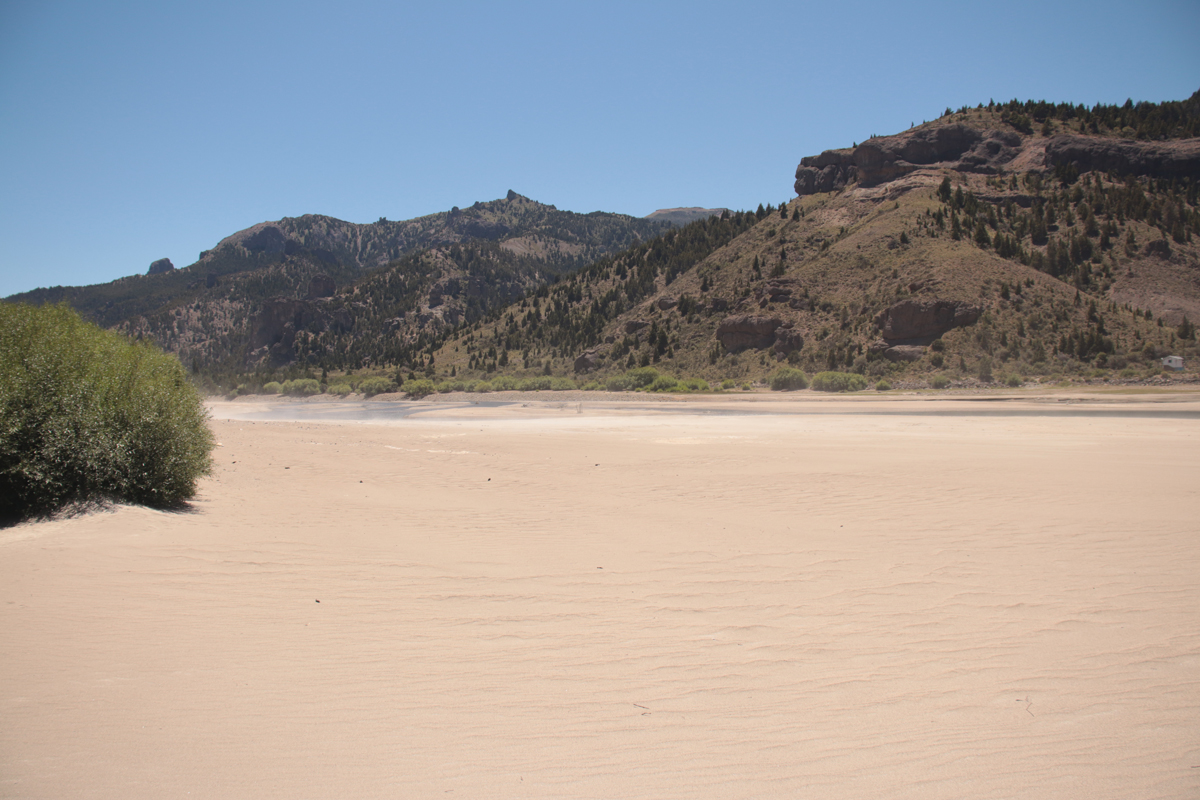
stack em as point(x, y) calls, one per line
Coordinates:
point(373, 386)
point(786, 379)
point(85, 414)
point(301, 387)
point(838, 382)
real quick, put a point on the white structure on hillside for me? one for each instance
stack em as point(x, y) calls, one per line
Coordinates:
point(1173, 362)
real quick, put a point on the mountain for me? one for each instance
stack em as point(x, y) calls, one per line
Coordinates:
point(383, 284)
point(1014, 240)
point(998, 242)
point(682, 216)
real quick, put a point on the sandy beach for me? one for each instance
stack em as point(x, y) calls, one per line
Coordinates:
point(726, 597)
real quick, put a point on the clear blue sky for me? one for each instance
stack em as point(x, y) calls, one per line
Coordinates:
point(134, 131)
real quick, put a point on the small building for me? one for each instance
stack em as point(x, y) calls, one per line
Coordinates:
point(1173, 362)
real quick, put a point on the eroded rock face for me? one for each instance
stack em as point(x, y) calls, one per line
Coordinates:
point(666, 302)
point(1174, 159)
point(776, 290)
point(886, 158)
point(922, 321)
point(743, 331)
point(787, 340)
point(161, 266)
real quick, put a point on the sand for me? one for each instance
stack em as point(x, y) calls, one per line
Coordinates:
point(731, 598)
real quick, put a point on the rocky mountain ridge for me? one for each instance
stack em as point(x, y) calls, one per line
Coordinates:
point(967, 246)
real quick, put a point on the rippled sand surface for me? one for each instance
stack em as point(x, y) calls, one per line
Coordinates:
point(595, 600)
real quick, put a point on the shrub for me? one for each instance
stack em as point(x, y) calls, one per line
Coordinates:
point(642, 377)
point(939, 381)
point(453, 385)
point(301, 387)
point(417, 388)
point(937, 345)
point(728, 383)
point(339, 389)
point(85, 415)
point(1014, 380)
point(373, 386)
point(838, 382)
point(480, 387)
point(883, 386)
point(695, 384)
point(618, 383)
point(540, 383)
point(633, 379)
point(663, 383)
point(786, 379)
point(273, 387)
point(504, 383)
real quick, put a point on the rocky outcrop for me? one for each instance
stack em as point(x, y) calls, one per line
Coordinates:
point(916, 322)
point(1174, 159)
point(886, 158)
point(904, 352)
point(588, 361)
point(787, 340)
point(161, 266)
point(266, 239)
point(779, 290)
point(743, 331)
point(666, 302)
point(321, 286)
point(635, 325)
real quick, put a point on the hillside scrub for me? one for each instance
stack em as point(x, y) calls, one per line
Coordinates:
point(838, 382)
point(87, 415)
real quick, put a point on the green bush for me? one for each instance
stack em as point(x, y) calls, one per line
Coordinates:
point(939, 381)
point(85, 415)
point(1014, 380)
point(480, 387)
point(786, 379)
point(339, 389)
point(727, 384)
point(663, 383)
point(452, 385)
point(883, 386)
point(695, 384)
point(373, 386)
point(839, 382)
point(504, 383)
point(633, 379)
point(618, 383)
point(273, 387)
point(541, 383)
point(418, 388)
point(301, 387)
